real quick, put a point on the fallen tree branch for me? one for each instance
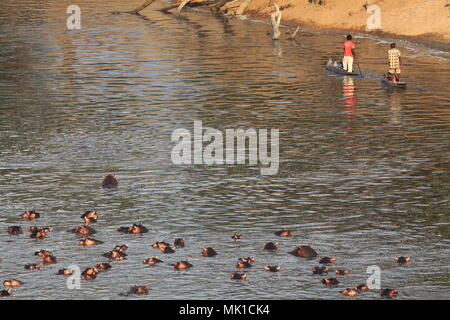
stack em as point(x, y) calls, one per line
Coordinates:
point(143, 6)
point(242, 7)
point(292, 37)
point(220, 4)
point(215, 3)
point(191, 5)
point(182, 4)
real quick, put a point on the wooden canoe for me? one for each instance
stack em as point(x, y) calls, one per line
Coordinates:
point(332, 68)
point(392, 84)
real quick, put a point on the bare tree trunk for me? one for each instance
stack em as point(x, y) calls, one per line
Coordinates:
point(242, 7)
point(143, 6)
point(275, 17)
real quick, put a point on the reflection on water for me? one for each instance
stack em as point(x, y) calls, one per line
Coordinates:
point(348, 91)
point(394, 101)
point(364, 172)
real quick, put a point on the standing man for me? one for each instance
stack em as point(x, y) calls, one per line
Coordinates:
point(395, 61)
point(349, 53)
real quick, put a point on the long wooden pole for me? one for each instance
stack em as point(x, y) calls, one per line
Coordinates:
point(360, 73)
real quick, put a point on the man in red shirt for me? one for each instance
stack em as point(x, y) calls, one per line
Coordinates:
point(349, 54)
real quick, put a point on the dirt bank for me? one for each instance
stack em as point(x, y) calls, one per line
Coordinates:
point(420, 20)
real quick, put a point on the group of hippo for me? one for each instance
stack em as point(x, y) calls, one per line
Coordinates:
point(118, 254)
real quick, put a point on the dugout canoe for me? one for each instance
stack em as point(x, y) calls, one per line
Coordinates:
point(392, 84)
point(335, 69)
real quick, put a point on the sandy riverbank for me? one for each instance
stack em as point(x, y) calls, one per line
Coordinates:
point(426, 21)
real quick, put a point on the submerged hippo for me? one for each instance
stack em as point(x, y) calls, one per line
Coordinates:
point(182, 265)
point(243, 264)
point(110, 181)
point(178, 242)
point(12, 283)
point(248, 259)
point(139, 290)
point(304, 252)
point(6, 292)
point(350, 292)
point(284, 233)
point(103, 266)
point(89, 217)
point(320, 270)
point(330, 281)
point(272, 268)
point(32, 266)
point(65, 272)
point(271, 246)
point(401, 260)
point(209, 252)
point(48, 259)
point(14, 230)
point(152, 261)
point(30, 215)
point(83, 230)
point(327, 260)
point(389, 292)
point(89, 242)
point(238, 276)
point(134, 229)
point(236, 236)
point(115, 255)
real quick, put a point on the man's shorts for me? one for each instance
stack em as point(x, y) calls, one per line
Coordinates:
point(395, 70)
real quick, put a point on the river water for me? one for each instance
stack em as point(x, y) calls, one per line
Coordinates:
point(364, 171)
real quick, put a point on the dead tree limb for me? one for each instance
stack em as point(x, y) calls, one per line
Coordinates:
point(292, 37)
point(191, 5)
point(143, 6)
point(219, 4)
point(275, 17)
point(242, 7)
point(182, 4)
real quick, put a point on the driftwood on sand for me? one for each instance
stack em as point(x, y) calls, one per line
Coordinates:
point(275, 17)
